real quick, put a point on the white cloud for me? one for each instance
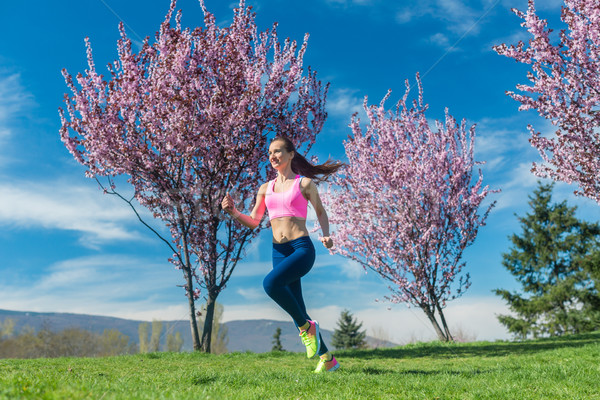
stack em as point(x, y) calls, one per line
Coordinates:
point(142, 289)
point(347, 3)
point(519, 185)
point(257, 310)
point(414, 10)
point(587, 209)
point(492, 140)
point(247, 269)
point(439, 39)
point(403, 16)
point(14, 100)
point(149, 312)
point(457, 16)
point(504, 144)
point(500, 141)
point(252, 249)
point(58, 205)
point(512, 38)
point(252, 294)
point(475, 316)
point(343, 103)
point(352, 269)
point(113, 285)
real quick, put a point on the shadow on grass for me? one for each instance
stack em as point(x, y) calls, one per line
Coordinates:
point(203, 379)
point(415, 372)
point(477, 349)
point(444, 372)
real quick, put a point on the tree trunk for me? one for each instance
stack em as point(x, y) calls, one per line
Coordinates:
point(189, 281)
point(189, 288)
point(431, 315)
point(208, 321)
point(448, 335)
point(213, 290)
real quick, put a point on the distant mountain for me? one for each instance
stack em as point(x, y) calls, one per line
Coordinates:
point(247, 335)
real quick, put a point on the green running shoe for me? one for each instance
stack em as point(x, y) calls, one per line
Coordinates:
point(327, 366)
point(311, 339)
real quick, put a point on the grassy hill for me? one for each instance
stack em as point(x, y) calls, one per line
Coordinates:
point(558, 368)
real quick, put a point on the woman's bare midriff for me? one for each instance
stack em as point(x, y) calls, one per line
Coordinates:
point(288, 228)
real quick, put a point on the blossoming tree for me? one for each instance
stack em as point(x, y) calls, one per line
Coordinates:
point(406, 206)
point(185, 119)
point(565, 89)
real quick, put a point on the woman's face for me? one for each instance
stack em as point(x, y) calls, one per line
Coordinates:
point(278, 155)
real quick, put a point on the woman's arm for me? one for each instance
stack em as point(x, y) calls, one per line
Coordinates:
point(253, 220)
point(312, 194)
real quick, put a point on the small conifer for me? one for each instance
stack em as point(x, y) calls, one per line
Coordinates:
point(348, 335)
point(277, 346)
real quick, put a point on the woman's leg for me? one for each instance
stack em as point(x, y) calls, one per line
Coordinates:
point(296, 290)
point(291, 261)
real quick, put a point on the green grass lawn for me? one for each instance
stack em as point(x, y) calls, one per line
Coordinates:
point(560, 368)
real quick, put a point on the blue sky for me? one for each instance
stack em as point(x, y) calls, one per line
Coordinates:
point(66, 247)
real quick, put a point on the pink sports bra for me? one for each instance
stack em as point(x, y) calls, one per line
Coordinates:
point(290, 203)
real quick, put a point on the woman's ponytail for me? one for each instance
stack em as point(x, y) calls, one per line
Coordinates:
point(302, 166)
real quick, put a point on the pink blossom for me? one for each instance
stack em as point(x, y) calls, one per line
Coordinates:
point(565, 89)
point(187, 118)
point(406, 205)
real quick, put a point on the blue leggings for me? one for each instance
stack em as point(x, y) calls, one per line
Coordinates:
point(291, 261)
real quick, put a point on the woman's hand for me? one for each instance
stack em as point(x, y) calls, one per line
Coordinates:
point(327, 242)
point(228, 205)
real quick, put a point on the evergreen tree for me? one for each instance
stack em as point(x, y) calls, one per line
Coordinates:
point(347, 335)
point(277, 346)
point(555, 259)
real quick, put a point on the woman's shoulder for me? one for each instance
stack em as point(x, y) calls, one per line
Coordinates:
point(307, 185)
point(306, 181)
point(263, 188)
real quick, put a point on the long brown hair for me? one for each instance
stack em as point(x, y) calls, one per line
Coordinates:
point(302, 166)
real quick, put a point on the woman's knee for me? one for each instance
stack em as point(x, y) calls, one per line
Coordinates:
point(269, 285)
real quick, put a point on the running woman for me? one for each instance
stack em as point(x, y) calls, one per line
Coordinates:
point(286, 199)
